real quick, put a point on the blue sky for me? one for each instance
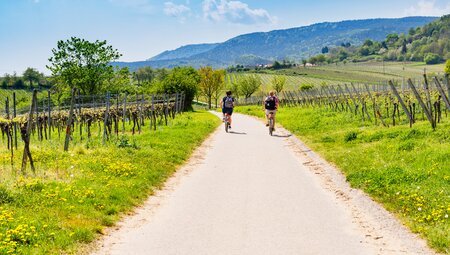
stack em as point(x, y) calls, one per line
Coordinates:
point(140, 29)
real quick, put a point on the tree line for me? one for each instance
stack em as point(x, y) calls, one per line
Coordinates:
point(86, 67)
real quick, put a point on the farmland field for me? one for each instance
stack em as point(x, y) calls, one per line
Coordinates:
point(366, 72)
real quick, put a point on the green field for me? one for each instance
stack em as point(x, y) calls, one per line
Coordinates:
point(75, 195)
point(405, 169)
point(365, 72)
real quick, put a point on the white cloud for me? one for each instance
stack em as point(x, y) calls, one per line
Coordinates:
point(427, 8)
point(178, 11)
point(235, 12)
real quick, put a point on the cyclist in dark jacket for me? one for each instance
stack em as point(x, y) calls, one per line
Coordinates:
point(227, 105)
point(271, 106)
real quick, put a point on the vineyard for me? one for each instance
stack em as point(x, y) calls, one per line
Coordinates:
point(110, 115)
point(389, 104)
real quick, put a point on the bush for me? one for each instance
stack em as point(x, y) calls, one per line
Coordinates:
point(431, 59)
point(350, 136)
point(305, 86)
point(447, 67)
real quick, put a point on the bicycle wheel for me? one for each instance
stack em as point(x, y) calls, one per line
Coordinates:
point(270, 126)
point(226, 126)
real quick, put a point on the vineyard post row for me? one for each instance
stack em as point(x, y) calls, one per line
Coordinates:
point(82, 113)
point(426, 100)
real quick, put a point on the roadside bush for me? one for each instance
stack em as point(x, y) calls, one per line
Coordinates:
point(447, 67)
point(350, 136)
point(431, 59)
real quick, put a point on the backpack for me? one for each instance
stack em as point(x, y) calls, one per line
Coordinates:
point(270, 103)
point(228, 102)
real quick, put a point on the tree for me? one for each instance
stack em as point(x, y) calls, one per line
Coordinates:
point(121, 82)
point(182, 79)
point(249, 84)
point(144, 74)
point(278, 83)
point(431, 59)
point(325, 50)
point(83, 64)
point(447, 67)
point(32, 75)
point(211, 83)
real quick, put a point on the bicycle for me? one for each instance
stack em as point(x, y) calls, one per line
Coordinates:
point(227, 122)
point(271, 121)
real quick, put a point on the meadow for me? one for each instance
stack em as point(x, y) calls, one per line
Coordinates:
point(405, 169)
point(74, 196)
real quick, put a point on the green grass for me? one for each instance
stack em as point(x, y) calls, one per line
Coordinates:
point(75, 195)
point(405, 169)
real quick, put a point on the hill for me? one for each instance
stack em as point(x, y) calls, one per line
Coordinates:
point(294, 43)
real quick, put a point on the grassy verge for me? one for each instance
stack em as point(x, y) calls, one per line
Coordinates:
point(405, 169)
point(73, 196)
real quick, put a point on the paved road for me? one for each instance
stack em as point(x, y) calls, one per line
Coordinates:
point(248, 194)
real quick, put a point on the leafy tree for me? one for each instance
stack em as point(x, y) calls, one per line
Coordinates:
point(83, 64)
point(304, 62)
point(121, 82)
point(182, 79)
point(211, 83)
point(32, 75)
point(278, 83)
point(325, 50)
point(144, 74)
point(431, 59)
point(8, 80)
point(249, 84)
point(276, 65)
point(447, 67)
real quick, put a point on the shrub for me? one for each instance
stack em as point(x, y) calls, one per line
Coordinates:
point(350, 136)
point(305, 86)
point(447, 67)
point(431, 59)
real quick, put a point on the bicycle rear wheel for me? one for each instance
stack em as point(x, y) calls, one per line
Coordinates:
point(270, 126)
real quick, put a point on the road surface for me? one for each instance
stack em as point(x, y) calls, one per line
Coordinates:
point(246, 192)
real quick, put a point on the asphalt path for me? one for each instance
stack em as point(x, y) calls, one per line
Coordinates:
point(246, 192)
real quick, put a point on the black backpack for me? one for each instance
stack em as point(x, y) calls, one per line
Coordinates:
point(270, 103)
point(228, 102)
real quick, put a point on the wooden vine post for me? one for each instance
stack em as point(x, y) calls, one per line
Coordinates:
point(400, 100)
point(26, 136)
point(69, 121)
point(422, 104)
point(14, 115)
point(49, 116)
point(442, 93)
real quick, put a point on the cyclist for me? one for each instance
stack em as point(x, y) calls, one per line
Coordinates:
point(271, 106)
point(227, 105)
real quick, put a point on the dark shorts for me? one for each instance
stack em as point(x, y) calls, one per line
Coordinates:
point(229, 111)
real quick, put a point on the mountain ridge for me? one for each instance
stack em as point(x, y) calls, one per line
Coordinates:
point(292, 43)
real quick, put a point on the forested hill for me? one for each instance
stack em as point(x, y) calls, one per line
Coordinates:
point(429, 43)
point(295, 43)
point(184, 51)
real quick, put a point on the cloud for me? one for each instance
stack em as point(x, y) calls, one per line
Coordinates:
point(178, 11)
point(427, 8)
point(235, 12)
